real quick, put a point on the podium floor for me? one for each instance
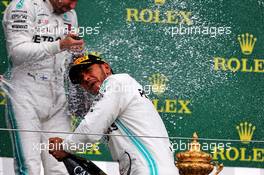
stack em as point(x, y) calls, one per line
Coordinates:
point(111, 168)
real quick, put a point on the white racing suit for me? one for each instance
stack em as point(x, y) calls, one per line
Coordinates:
point(122, 108)
point(38, 98)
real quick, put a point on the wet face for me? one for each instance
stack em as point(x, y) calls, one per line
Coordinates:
point(62, 6)
point(93, 77)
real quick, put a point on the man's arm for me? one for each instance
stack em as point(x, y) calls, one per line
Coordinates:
point(19, 29)
point(102, 115)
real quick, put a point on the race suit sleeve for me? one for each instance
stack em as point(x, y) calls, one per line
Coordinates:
point(75, 21)
point(18, 24)
point(110, 103)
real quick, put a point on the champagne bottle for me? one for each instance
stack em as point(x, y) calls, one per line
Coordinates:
point(80, 52)
point(79, 166)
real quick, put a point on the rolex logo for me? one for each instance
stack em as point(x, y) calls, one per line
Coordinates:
point(160, 2)
point(158, 83)
point(245, 131)
point(247, 42)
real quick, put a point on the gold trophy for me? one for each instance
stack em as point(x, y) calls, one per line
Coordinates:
point(195, 161)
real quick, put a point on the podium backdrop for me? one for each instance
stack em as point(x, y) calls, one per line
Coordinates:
point(200, 61)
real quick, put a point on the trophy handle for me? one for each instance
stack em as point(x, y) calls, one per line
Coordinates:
point(219, 167)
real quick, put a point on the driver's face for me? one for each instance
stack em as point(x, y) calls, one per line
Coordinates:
point(93, 77)
point(62, 6)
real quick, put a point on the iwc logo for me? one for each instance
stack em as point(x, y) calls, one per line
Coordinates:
point(247, 43)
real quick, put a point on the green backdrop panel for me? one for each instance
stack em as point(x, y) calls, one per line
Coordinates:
point(189, 58)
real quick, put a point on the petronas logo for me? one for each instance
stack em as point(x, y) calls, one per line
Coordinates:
point(247, 42)
point(158, 83)
point(20, 4)
point(245, 131)
point(160, 2)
